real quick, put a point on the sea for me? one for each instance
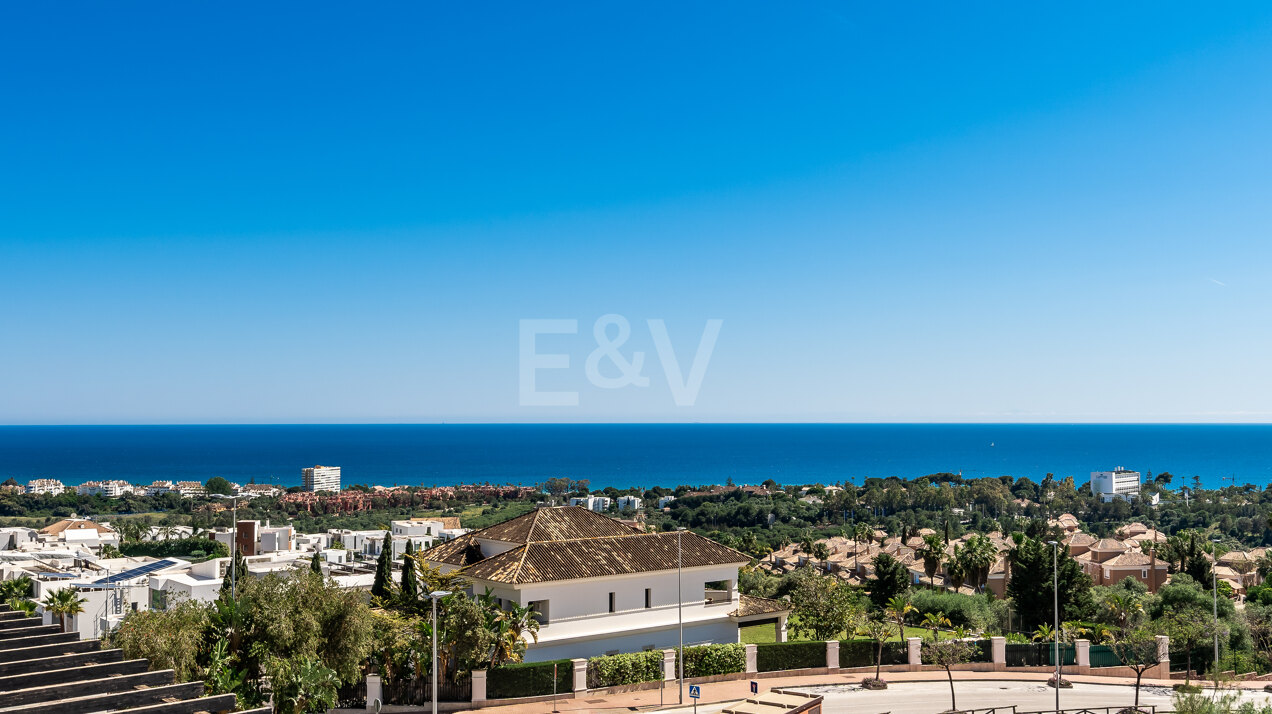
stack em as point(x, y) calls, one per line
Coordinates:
point(633, 455)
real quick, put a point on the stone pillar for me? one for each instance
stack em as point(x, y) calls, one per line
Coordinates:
point(669, 665)
point(781, 628)
point(580, 676)
point(998, 653)
point(1163, 658)
point(479, 685)
point(913, 649)
point(832, 654)
point(1082, 653)
point(374, 693)
point(751, 667)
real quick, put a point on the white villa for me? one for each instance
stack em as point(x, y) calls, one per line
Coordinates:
point(601, 587)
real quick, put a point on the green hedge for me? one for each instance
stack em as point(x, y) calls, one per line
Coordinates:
point(862, 653)
point(710, 660)
point(776, 656)
point(620, 669)
point(529, 679)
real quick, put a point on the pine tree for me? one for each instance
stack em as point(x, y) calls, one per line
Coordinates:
point(316, 564)
point(410, 586)
point(382, 587)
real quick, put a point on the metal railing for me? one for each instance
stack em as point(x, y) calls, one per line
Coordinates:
point(1146, 708)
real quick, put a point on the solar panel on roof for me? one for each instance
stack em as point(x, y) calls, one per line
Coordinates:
point(136, 572)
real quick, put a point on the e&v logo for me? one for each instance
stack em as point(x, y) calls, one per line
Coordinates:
point(622, 370)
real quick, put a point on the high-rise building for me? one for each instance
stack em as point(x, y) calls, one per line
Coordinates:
point(1118, 483)
point(321, 478)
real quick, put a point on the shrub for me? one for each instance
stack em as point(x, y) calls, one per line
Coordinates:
point(620, 669)
point(529, 679)
point(710, 660)
point(776, 656)
point(974, 612)
point(176, 548)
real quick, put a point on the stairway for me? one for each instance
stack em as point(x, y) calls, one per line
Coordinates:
point(45, 670)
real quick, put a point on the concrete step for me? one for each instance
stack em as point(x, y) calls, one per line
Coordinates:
point(126, 700)
point(11, 666)
point(71, 673)
point(104, 685)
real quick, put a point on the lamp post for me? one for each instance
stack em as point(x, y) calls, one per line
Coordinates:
point(680, 613)
point(1214, 589)
point(1055, 589)
point(435, 596)
point(234, 548)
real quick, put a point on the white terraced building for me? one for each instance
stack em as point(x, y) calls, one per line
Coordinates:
point(601, 587)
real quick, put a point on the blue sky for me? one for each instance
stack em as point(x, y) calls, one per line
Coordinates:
point(296, 213)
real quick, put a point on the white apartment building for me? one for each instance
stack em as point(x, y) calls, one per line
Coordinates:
point(321, 478)
point(158, 487)
point(629, 502)
point(601, 588)
point(110, 489)
point(1118, 483)
point(599, 504)
point(45, 485)
point(662, 502)
point(190, 489)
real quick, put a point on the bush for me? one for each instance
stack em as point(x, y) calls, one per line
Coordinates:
point(1187, 688)
point(176, 548)
point(872, 683)
point(620, 669)
point(529, 679)
point(975, 612)
point(777, 656)
point(710, 660)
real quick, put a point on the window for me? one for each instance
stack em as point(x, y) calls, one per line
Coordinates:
point(540, 609)
point(1145, 574)
point(649, 598)
point(611, 602)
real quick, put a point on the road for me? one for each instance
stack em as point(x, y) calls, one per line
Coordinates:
point(934, 697)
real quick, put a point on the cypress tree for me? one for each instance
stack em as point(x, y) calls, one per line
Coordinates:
point(382, 587)
point(410, 586)
point(238, 569)
point(316, 564)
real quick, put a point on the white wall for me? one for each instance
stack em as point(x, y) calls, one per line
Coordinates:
point(719, 631)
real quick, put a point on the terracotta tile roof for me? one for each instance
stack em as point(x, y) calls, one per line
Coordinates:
point(751, 605)
point(461, 551)
point(450, 522)
point(1108, 544)
point(1081, 539)
point(557, 523)
point(1127, 560)
point(548, 561)
point(1234, 556)
point(74, 524)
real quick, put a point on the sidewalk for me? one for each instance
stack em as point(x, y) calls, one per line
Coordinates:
point(718, 692)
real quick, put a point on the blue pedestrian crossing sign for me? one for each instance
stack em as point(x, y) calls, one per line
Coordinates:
point(695, 691)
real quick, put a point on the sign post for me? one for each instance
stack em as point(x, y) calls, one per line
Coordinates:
point(755, 687)
point(554, 685)
point(695, 692)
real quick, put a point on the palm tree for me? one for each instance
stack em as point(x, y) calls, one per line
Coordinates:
point(21, 604)
point(821, 552)
point(934, 621)
point(515, 624)
point(955, 568)
point(898, 608)
point(979, 555)
point(62, 603)
point(932, 552)
point(860, 532)
point(1124, 607)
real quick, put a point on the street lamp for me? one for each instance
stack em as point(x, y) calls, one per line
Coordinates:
point(1055, 589)
point(680, 612)
point(234, 549)
point(1214, 589)
point(435, 596)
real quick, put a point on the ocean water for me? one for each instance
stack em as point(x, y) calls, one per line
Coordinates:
point(625, 455)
